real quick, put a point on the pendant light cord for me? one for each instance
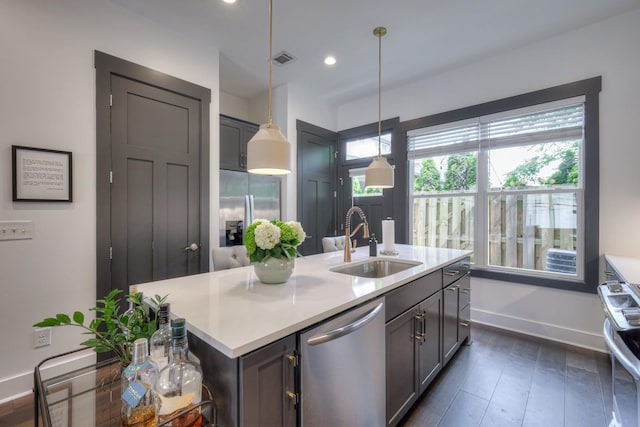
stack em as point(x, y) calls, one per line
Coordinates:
point(380, 34)
point(270, 56)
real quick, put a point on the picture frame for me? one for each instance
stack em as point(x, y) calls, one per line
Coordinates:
point(41, 175)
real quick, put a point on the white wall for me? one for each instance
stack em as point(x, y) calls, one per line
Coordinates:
point(303, 104)
point(609, 49)
point(48, 100)
point(234, 106)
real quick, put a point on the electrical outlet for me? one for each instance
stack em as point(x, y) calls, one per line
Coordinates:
point(41, 337)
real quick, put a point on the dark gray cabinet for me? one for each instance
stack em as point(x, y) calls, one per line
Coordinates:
point(401, 354)
point(268, 393)
point(450, 321)
point(430, 344)
point(234, 136)
point(456, 313)
point(258, 389)
point(413, 342)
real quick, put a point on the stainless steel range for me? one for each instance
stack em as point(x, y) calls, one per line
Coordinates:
point(622, 335)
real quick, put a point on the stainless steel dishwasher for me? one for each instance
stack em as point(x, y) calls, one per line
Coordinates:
point(342, 380)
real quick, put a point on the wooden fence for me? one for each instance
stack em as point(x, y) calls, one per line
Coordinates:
point(448, 222)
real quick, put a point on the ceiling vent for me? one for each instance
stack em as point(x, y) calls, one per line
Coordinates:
point(282, 58)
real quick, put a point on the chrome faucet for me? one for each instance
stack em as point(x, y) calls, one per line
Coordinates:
point(348, 234)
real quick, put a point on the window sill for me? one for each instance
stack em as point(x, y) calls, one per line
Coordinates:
point(547, 282)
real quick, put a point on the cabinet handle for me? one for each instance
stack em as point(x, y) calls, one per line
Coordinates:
point(419, 316)
point(452, 273)
point(424, 326)
point(419, 337)
point(293, 397)
point(465, 324)
point(453, 288)
point(464, 291)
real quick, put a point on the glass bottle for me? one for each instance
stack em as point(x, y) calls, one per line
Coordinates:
point(160, 341)
point(138, 407)
point(179, 384)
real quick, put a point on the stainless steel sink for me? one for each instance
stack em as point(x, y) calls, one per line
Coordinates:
point(375, 268)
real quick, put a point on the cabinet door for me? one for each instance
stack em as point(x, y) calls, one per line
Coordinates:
point(464, 312)
point(450, 321)
point(402, 384)
point(234, 136)
point(267, 393)
point(430, 346)
point(230, 144)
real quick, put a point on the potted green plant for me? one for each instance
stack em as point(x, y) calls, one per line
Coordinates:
point(112, 330)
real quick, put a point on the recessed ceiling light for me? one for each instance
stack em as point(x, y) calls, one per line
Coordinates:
point(229, 1)
point(330, 60)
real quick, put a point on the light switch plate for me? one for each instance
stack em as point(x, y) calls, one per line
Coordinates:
point(16, 230)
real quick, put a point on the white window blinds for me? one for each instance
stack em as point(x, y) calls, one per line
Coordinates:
point(544, 125)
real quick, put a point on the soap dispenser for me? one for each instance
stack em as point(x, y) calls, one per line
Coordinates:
point(373, 245)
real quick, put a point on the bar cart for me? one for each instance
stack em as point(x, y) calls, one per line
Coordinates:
point(89, 395)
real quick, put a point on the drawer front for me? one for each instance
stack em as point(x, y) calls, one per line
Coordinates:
point(453, 272)
point(407, 296)
point(464, 323)
point(465, 290)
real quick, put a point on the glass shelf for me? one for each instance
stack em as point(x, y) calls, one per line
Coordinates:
point(86, 396)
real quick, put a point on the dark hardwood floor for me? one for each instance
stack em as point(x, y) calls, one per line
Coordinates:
point(508, 379)
point(501, 379)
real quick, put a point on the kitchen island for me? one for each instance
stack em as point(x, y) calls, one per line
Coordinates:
point(232, 317)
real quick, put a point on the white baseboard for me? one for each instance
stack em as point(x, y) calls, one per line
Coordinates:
point(557, 333)
point(22, 384)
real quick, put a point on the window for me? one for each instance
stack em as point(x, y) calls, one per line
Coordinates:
point(362, 148)
point(510, 185)
point(357, 184)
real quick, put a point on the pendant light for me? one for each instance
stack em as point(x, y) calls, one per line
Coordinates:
point(379, 174)
point(268, 152)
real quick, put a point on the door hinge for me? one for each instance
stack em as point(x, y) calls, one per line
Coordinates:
point(341, 181)
point(335, 154)
point(293, 397)
point(110, 252)
point(293, 359)
point(110, 177)
point(110, 100)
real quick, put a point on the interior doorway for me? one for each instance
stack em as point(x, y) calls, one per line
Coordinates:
point(317, 193)
point(152, 175)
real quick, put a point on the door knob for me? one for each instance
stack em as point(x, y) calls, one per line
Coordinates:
point(192, 247)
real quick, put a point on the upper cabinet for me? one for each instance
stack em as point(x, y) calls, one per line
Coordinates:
point(234, 136)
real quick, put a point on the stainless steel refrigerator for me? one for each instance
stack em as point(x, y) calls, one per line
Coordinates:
point(243, 198)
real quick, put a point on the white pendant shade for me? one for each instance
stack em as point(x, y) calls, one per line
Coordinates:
point(268, 152)
point(379, 174)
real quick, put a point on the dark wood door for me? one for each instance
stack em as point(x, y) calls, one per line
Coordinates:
point(430, 347)
point(316, 185)
point(153, 140)
point(268, 393)
point(375, 207)
point(401, 360)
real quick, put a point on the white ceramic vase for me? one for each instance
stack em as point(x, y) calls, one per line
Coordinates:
point(274, 270)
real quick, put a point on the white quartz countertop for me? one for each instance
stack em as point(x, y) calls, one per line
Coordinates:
point(628, 268)
point(235, 313)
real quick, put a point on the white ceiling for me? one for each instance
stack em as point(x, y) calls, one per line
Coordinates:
point(424, 36)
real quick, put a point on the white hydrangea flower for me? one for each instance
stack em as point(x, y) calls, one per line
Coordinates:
point(267, 235)
point(297, 228)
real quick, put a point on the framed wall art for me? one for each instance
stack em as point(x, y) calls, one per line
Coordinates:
point(41, 175)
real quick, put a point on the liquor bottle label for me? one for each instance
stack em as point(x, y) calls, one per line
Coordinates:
point(134, 393)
